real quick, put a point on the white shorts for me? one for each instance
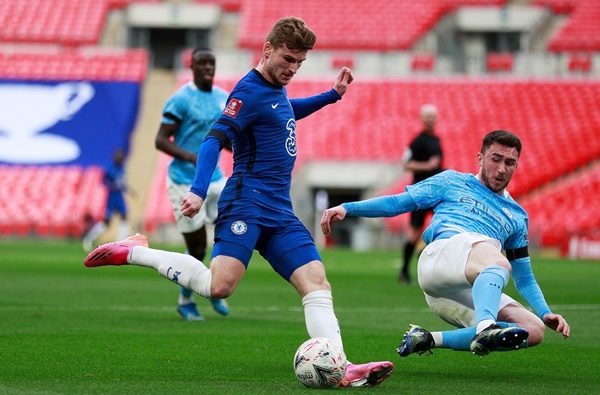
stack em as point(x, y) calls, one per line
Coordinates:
point(441, 276)
point(208, 212)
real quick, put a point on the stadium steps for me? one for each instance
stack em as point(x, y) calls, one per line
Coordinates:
point(143, 154)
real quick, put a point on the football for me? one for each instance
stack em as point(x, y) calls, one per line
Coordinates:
point(320, 363)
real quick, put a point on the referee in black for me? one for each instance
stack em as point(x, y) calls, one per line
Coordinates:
point(424, 159)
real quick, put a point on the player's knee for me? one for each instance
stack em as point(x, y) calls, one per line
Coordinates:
point(309, 278)
point(221, 288)
point(536, 331)
point(221, 291)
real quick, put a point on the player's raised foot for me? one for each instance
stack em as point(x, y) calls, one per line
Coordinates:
point(494, 337)
point(189, 312)
point(416, 339)
point(220, 306)
point(366, 375)
point(114, 253)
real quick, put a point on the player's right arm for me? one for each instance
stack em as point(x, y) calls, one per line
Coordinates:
point(176, 110)
point(208, 157)
point(163, 143)
point(241, 110)
point(384, 206)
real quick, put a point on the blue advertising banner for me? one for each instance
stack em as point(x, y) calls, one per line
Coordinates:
point(66, 123)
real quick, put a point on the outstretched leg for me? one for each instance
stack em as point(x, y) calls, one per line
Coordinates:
point(182, 269)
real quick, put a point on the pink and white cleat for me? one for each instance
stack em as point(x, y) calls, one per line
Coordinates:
point(115, 253)
point(366, 375)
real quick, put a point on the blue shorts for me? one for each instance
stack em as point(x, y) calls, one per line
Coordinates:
point(286, 246)
point(115, 203)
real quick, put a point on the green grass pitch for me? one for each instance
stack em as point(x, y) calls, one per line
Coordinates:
point(67, 329)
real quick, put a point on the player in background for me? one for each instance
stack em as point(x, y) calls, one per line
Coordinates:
point(114, 180)
point(187, 118)
point(462, 271)
point(255, 208)
point(423, 158)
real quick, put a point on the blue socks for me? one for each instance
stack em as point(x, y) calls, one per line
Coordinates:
point(186, 293)
point(460, 339)
point(487, 290)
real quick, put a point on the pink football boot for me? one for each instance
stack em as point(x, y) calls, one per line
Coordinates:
point(114, 253)
point(367, 375)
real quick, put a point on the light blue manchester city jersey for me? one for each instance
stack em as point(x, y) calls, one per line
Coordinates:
point(462, 204)
point(196, 111)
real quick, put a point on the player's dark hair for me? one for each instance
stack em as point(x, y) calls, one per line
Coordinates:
point(200, 51)
point(293, 33)
point(501, 137)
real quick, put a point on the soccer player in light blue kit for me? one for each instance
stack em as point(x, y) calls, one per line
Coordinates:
point(255, 209)
point(462, 271)
point(188, 116)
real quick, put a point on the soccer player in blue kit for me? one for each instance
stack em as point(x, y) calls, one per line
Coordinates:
point(255, 209)
point(188, 116)
point(114, 180)
point(462, 271)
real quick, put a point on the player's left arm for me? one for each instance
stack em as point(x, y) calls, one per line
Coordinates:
point(306, 106)
point(529, 289)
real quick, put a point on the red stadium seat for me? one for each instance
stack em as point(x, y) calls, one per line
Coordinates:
point(499, 62)
point(342, 59)
point(75, 64)
point(423, 62)
point(376, 25)
point(580, 63)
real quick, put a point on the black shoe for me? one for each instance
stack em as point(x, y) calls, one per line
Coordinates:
point(405, 279)
point(494, 337)
point(416, 339)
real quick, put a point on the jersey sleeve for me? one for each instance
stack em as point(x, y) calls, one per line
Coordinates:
point(206, 164)
point(174, 110)
point(243, 108)
point(308, 105)
point(528, 287)
point(383, 206)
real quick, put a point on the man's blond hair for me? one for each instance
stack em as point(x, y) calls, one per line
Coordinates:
point(293, 33)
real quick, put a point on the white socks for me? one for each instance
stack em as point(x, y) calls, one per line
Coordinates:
point(96, 231)
point(123, 231)
point(320, 317)
point(182, 269)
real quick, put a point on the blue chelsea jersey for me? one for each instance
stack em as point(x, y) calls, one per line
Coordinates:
point(461, 203)
point(260, 122)
point(196, 111)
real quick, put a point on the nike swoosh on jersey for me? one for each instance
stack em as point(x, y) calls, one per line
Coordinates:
point(274, 106)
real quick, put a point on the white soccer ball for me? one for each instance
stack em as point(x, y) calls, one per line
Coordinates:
point(320, 363)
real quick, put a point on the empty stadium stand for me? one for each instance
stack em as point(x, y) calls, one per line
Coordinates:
point(581, 31)
point(369, 25)
point(570, 206)
point(49, 201)
point(85, 63)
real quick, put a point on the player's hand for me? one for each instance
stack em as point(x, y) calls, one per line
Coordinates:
point(334, 214)
point(558, 323)
point(342, 81)
point(191, 204)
